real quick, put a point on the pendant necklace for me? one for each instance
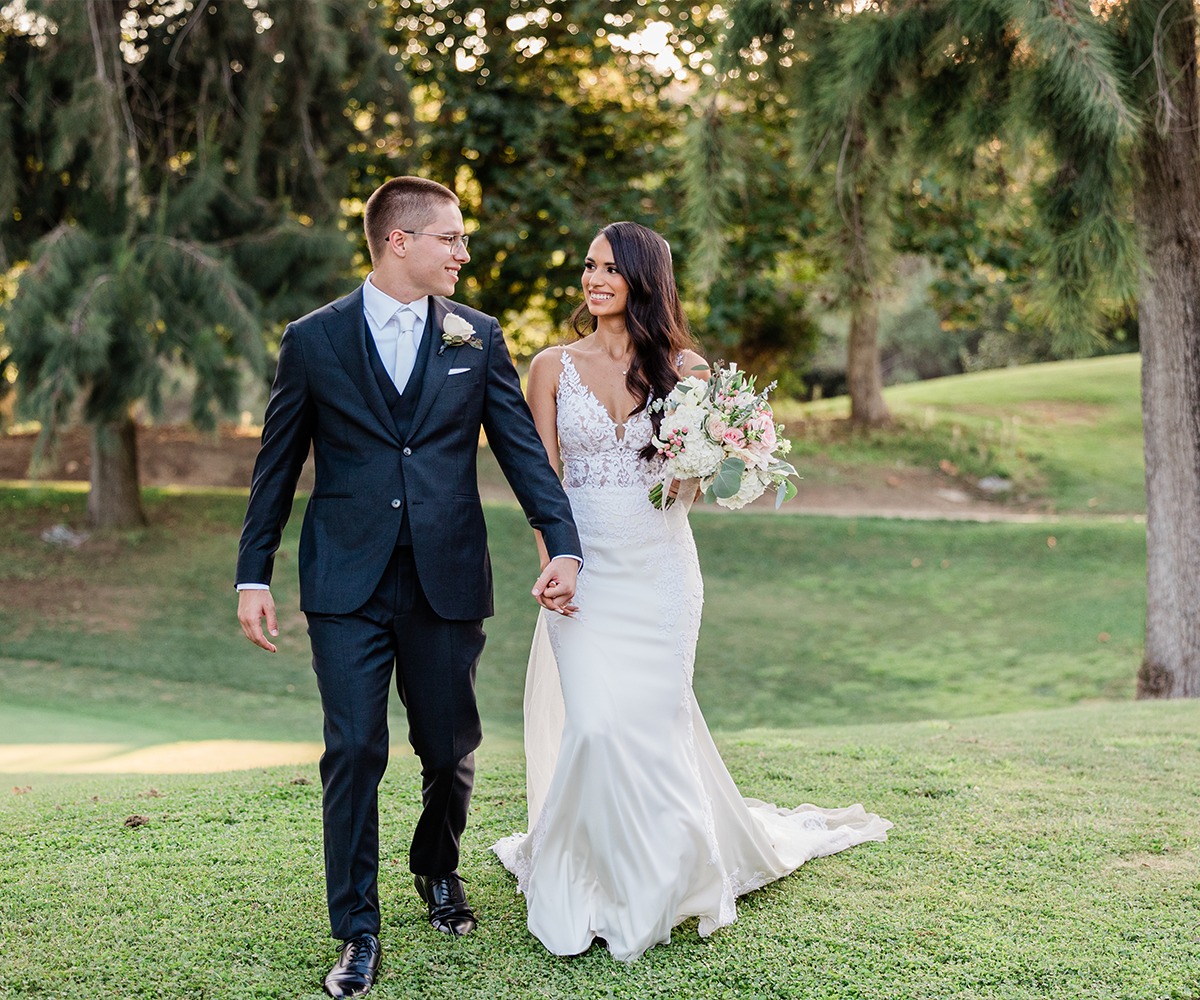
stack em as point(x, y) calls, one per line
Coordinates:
point(615, 362)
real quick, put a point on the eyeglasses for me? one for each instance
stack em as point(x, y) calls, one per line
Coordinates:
point(455, 243)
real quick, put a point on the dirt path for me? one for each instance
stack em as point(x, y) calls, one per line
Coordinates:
point(172, 456)
point(167, 456)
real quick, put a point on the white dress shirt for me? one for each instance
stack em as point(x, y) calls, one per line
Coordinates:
point(383, 315)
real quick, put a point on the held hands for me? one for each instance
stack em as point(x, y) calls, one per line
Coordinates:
point(253, 606)
point(556, 586)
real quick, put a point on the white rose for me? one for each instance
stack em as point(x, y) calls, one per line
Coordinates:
point(456, 330)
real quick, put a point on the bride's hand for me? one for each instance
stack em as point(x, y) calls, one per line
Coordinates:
point(677, 485)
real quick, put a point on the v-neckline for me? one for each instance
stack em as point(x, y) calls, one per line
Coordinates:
point(618, 427)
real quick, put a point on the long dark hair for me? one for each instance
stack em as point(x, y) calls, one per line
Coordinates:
point(654, 316)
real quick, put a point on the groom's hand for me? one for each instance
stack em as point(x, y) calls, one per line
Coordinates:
point(253, 607)
point(556, 586)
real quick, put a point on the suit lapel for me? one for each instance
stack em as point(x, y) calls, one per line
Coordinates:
point(438, 366)
point(348, 337)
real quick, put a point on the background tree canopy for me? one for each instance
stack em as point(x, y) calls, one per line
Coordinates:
point(178, 179)
point(264, 126)
point(175, 176)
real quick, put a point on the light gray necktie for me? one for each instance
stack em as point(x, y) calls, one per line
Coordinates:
point(406, 347)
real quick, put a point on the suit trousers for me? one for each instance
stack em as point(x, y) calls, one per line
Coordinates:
point(435, 661)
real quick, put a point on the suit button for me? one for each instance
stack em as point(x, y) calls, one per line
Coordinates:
point(395, 503)
point(407, 451)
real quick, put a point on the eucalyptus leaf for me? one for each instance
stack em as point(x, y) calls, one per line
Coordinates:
point(729, 480)
point(710, 496)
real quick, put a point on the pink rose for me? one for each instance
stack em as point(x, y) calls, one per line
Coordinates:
point(734, 438)
point(767, 436)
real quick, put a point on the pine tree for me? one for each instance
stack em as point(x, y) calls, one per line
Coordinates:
point(847, 151)
point(1112, 92)
point(95, 318)
point(173, 172)
point(749, 265)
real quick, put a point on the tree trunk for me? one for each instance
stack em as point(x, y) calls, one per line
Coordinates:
point(863, 376)
point(115, 500)
point(1167, 207)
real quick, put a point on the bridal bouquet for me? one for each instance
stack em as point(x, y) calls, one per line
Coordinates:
point(723, 433)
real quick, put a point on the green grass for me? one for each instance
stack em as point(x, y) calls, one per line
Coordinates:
point(808, 621)
point(1068, 432)
point(1038, 855)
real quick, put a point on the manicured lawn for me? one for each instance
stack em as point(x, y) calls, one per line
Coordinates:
point(808, 621)
point(1068, 432)
point(1037, 855)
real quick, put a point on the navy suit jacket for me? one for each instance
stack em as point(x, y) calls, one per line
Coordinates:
point(326, 395)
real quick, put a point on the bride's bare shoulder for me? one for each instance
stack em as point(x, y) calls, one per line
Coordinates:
point(546, 366)
point(548, 357)
point(690, 362)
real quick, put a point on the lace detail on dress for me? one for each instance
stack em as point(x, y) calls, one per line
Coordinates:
point(676, 595)
point(592, 454)
point(517, 851)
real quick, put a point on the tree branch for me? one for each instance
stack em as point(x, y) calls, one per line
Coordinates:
point(97, 44)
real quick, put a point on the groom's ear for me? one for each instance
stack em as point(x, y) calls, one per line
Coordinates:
point(398, 242)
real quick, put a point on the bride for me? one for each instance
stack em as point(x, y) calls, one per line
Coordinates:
point(635, 824)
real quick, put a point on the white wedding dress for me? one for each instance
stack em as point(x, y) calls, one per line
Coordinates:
point(635, 822)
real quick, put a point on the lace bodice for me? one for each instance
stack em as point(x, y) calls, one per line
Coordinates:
point(593, 455)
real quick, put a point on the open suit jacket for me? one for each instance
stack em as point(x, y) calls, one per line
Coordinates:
point(367, 478)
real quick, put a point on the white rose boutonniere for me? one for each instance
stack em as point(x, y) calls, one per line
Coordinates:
point(457, 332)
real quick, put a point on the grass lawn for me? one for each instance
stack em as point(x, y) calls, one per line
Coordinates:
point(1066, 432)
point(132, 638)
point(1035, 855)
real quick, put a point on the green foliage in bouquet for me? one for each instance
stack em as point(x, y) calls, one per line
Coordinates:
point(723, 433)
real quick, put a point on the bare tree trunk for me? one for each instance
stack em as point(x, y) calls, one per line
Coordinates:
point(115, 500)
point(1167, 207)
point(863, 376)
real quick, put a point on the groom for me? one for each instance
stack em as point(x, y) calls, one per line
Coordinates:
point(390, 386)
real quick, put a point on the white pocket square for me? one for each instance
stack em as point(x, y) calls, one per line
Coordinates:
point(457, 371)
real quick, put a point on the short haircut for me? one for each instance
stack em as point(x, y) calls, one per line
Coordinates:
point(402, 203)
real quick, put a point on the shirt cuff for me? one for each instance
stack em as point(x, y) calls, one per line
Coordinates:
point(567, 555)
point(253, 586)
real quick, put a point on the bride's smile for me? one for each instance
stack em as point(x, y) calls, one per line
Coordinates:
point(606, 291)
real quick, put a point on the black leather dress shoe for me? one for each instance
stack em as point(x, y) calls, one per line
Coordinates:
point(354, 973)
point(449, 911)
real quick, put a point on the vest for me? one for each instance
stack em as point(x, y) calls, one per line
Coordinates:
point(402, 405)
